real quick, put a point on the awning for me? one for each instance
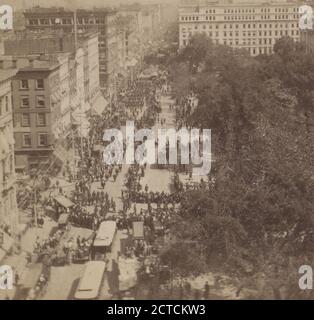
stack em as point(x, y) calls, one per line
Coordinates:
point(100, 105)
point(20, 167)
point(7, 241)
point(4, 143)
point(131, 63)
point(82, 123)
point(62, 154)
point(63, 201)
point(85, 107)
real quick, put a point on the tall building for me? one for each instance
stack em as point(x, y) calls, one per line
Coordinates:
point(46, 116)
point(8, 206)
point(252, 26)
point(129, 46)
point(36, 105)
point(79, 22)
point(151, 20)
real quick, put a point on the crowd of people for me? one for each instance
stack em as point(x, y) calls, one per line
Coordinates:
point(93, 205)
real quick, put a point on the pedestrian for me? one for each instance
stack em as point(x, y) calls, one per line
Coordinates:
point(206, 291)
point(78, 241)
point(17, 279)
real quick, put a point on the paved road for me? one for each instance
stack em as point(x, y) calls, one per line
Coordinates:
point(64, 280)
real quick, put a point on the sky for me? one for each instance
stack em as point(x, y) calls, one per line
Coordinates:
point(76, 3)
point(90, 3)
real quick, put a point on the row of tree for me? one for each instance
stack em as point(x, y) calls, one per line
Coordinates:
point(257, 220)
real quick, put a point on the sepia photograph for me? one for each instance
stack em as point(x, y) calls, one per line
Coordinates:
point(156, 150)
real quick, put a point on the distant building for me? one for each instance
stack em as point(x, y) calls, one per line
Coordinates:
point(79, 22)
point(254, 27)
point(151, 20)
point(8, 206)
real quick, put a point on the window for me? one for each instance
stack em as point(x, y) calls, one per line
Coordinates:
point(44, 21)
point(40, 84)
point(24, 102)
point(40, 101)
point(66, 21)
point(33, 22)
point(42, 139)
point(6, 103)
point(25, 121)
point(27, 142)
point(24, 84)
point(41, 119)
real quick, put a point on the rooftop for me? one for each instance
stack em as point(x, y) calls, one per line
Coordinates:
point(53, 10)
point(214, 3)
point(27, 63)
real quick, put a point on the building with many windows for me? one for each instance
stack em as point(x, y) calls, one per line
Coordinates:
point(36, 104)
point(79, 22)
point(8, 206)
point(252, 26)
point(58, 108)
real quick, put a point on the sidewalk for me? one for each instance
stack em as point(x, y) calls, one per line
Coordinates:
point(18, 261)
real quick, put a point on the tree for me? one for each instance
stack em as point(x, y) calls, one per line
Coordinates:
point(260, 112)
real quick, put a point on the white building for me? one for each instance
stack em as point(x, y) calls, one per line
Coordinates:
point(253, 26)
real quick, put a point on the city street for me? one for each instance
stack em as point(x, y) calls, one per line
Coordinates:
point(64, 280)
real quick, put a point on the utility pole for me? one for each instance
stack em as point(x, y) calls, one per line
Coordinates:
point(73, 141)
point(35, 207)
point(75, 28)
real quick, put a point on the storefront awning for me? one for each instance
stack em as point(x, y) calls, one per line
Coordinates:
point(82, 124)
point(100, 105)
point(86, 107)
point(131, 63)
point(62, 154)
point(63, 201)
point(4, 143)
point(5, 244)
